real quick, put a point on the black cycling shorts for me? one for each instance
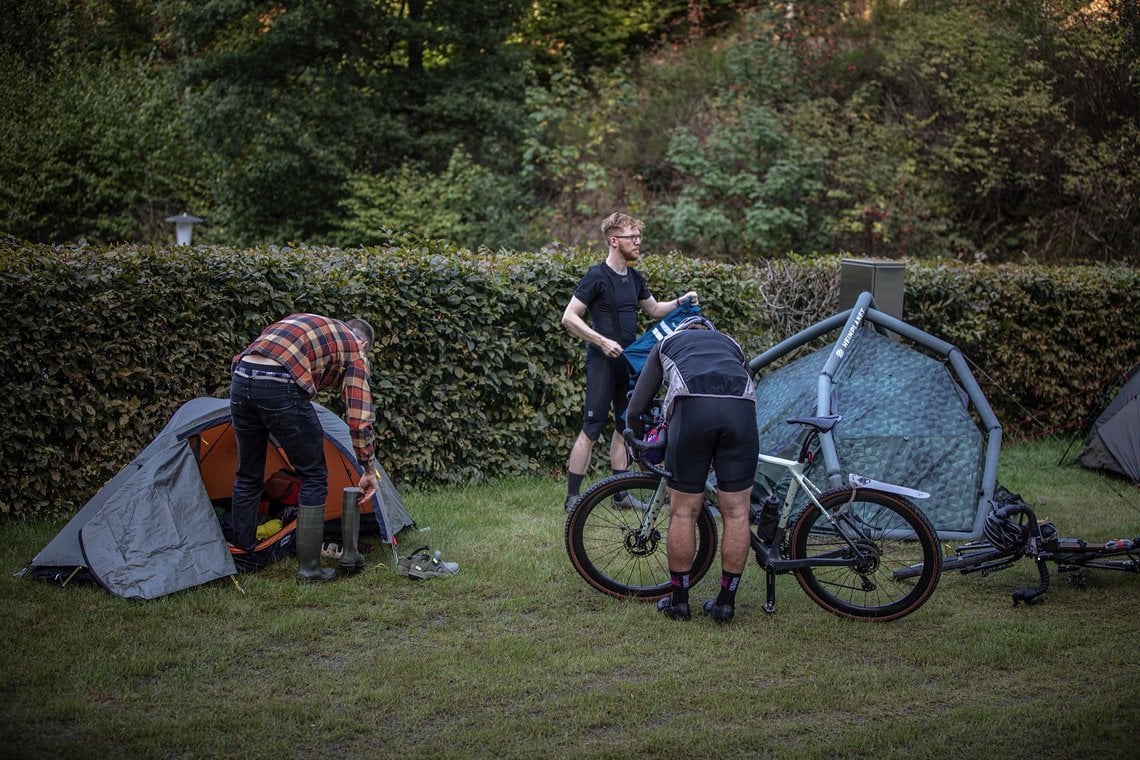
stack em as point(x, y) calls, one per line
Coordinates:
point(607, 386)
point(720, 432)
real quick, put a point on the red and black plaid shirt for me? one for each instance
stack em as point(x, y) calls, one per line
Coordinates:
point(323, 353)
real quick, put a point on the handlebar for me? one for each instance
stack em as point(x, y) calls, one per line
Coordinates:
point(638, 448)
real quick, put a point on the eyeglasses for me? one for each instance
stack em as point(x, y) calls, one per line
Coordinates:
point(628, 237)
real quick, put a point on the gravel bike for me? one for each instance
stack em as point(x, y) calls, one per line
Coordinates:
point(843, 545)
point(1012, 531)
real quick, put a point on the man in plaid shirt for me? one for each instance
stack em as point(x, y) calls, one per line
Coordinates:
point(274, 379)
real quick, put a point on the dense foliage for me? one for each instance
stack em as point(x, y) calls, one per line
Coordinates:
point(739, 130)
point(473, 374)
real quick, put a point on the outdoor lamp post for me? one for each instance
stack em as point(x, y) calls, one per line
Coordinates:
point(183, 226)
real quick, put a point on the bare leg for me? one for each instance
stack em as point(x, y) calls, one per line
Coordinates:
point(735, 543)
point(619, 457)
point(580, 455)
point(682, 542)
point(679, 548)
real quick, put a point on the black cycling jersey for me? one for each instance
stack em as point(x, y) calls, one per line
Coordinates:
point(693, 363)
point(711, 408)
point(612, 300)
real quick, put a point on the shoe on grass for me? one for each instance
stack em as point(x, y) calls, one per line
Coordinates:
point(624, 500)
point(420, 565)
point(721, 613)
point(673, 611)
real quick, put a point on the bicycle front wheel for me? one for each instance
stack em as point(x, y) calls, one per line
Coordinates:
point(611, 551)
point(874, 534)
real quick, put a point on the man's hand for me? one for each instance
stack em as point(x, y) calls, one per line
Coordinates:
point(369, 484)
point(611, 348)
point(690, 297)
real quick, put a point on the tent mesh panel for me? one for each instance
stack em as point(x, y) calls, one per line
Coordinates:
point(905, 421)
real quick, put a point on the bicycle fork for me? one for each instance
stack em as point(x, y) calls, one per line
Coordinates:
point(647, 532)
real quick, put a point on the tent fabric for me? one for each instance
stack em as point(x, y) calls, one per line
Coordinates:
point(1113, 440)
point(64, 550)
point(152, 529)
point(157, 540)
point(905, 421)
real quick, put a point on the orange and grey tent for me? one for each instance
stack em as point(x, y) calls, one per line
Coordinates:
point(153, 529)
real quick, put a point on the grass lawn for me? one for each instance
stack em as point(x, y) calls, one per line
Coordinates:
point(517, 657)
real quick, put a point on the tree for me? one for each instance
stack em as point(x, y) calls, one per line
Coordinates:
point(292, 99)
point(610, 35)
point(92, 144)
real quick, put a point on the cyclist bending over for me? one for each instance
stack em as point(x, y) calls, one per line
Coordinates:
point(710, 406)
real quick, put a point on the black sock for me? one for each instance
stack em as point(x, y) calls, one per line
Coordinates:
point(680, 584)
point(621, 472)
point(573, 483)
point(728, 585)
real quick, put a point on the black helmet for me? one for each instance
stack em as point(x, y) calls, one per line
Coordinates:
point(695, 322)
point(1004, 533)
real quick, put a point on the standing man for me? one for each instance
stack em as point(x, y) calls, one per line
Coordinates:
point(711, 409)
point(274, 379)
point(611, 291)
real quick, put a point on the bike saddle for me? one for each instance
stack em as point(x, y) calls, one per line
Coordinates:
point(822, 424)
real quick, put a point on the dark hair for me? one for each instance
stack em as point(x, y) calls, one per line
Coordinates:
point(362, 329)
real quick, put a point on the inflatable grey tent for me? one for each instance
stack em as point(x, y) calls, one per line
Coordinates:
point(153, 530)
point(1113, 441)
point(906, 415)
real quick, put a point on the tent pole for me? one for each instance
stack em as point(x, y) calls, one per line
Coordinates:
point(850, 320)
point(71, 575)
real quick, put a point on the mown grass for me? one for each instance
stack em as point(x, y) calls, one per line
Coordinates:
point(516, 657)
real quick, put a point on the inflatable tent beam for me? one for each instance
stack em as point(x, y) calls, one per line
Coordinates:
point(851, 320)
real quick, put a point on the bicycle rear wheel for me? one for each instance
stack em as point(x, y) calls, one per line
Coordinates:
point(890, 534)
point(606, 549)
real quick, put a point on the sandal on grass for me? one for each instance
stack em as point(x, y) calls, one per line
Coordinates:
point(420, 565)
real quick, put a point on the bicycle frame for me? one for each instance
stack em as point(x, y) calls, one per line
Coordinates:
point(1039, 542)
point(840, 543)
point(1042, 545)
point(769, 555)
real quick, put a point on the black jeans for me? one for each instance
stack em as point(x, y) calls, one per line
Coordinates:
point(261, 408)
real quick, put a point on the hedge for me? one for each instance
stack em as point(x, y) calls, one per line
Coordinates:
point(473, 373)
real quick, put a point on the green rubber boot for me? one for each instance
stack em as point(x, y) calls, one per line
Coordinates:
point(310, 532)
point(351, 560)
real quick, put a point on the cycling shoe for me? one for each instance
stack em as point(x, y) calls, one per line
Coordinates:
point(721, 613)
point(674, 611)
point(625, 500)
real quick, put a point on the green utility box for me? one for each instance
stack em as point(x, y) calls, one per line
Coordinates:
point(882, 279)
